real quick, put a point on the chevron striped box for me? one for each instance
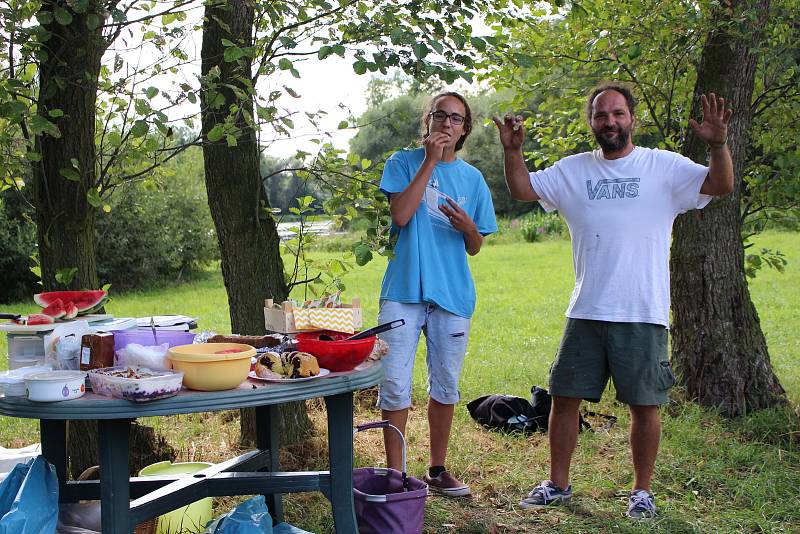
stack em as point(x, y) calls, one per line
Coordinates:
point(286, 319)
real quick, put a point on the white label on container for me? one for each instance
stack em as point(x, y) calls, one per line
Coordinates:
point(86, 355)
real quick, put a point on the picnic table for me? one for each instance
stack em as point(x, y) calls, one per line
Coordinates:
point(256, 472)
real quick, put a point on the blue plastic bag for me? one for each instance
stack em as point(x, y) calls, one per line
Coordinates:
point(251, 517)
point(34, 506)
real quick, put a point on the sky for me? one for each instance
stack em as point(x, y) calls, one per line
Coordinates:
point(330, 85)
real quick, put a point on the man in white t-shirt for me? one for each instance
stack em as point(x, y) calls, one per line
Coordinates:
point(619, 202)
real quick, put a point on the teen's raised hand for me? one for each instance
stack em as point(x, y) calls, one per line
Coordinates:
point(511, 130)
point(714, 128)
point(435, 144)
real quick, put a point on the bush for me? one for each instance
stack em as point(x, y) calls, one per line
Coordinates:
point(538, 225)
point(155, 234)
point(17, 245)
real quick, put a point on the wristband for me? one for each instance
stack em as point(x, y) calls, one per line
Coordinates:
point(719, 145)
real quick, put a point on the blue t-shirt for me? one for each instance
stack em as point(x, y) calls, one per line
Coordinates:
point(430, 263)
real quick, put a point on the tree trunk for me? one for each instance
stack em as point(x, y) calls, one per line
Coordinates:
point(69, 68)
point(248, 238)
point(718, 348)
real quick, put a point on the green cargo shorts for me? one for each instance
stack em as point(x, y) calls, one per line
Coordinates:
point(634, 355)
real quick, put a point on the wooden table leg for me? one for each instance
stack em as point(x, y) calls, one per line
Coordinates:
point(114, 441)
point(53, 433)
point(340, 446)
point(268, 438)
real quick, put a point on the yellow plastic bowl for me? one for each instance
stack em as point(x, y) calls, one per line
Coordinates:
point(205, 369)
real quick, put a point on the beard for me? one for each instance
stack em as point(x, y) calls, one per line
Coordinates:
point(612, 144)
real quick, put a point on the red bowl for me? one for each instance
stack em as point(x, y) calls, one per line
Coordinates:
point(336, 355)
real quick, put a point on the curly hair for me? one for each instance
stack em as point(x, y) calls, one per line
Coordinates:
point(426, 117)
point(611, 86)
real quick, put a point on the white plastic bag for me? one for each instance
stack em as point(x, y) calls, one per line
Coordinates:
point(63, 345)
point(135, 355)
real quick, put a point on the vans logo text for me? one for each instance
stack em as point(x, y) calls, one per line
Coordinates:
point(615, 188)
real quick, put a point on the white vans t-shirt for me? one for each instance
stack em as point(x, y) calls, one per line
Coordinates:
point(620, 215)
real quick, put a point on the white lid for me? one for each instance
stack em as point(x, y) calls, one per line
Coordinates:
point(16, 376)
point(165, 320)
point(55, 376)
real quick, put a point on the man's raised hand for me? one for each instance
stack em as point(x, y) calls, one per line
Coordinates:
point(714, 128)
point(511, 130)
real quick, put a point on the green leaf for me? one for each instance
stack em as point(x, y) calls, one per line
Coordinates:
point(360, 66)
point(151, 92)
point(106, 208)
point(421, 50)
point(232, 54)
point(634, 51)
point(227, 43)
point(70, 174)
point(324, 52)
point(343, 125)
point(92, 21)
point(191, 97)
point(139, 129)
point(62, 16)
point(231, 140)
point(93, 198)
point(39, 125)
point(363, 254)
point(284, 64)
point(216, 133)
point(66, 275)
point(55, 113)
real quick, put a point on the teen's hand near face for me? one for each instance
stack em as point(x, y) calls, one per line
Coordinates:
point(435, 144)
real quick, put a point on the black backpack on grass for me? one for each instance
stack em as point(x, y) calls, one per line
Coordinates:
point(515, 414)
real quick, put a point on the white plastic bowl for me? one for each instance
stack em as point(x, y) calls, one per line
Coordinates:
point(55, 385)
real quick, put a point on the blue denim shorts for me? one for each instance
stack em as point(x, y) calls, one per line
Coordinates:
point(446, 336)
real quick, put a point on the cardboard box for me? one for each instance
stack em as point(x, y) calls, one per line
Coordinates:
point(285, 319)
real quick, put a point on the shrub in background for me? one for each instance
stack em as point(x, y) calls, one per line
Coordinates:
point(155, 233)
point(17, 245)
point(538, 225)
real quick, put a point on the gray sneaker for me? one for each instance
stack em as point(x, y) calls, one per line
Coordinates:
point(641, 505)
point(546, 494)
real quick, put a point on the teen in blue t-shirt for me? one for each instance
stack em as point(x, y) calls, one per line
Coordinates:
point(441, 209)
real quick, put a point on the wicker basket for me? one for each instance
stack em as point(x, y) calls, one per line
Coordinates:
point(146, 527)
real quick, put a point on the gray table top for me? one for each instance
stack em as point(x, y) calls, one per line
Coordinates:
point(249, 394)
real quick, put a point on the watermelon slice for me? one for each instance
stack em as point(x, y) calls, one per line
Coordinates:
point(56, 310)
point(38, 319)
point(71, 311)
point(85, 301)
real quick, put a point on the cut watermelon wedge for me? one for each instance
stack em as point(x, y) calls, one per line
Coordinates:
point(56, 309)
point(85, 301)
point(38, 319)
point(71, 311)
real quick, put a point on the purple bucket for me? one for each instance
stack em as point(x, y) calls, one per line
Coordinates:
point(383, 505)
point(142, 336)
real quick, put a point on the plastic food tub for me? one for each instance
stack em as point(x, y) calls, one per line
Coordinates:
point(336, 354)
point(212, 366)
point(137, 384)
point(25, 350)
point(144, 336)
point(12, 383)
point(55, 385)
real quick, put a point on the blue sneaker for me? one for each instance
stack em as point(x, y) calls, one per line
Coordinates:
point(641, 505)
point(546, 494)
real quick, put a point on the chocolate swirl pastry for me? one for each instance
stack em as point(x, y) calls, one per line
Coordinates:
point(300, 365)
point(270, 365)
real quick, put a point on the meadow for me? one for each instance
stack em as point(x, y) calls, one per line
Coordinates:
point(713, 474)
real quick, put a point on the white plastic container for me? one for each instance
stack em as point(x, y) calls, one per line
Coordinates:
point(12, 382)
point(53, 386)
point(137, 384)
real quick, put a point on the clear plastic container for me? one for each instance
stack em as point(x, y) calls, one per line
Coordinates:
point(25, 350)
point(137, 384)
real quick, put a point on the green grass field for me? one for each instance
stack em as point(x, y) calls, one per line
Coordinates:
point(713, 475)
